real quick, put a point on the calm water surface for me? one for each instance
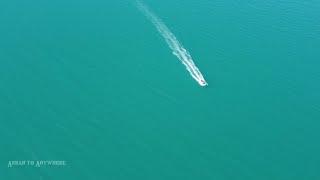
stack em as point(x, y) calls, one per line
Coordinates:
point(93, 83)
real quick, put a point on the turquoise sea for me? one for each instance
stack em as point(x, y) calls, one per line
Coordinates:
point(93, 83)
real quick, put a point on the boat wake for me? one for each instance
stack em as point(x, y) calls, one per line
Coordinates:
point(176, 47)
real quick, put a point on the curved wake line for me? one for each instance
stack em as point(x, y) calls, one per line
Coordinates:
point(176, 47)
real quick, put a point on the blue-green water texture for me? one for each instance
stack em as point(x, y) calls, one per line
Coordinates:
point(94, 84)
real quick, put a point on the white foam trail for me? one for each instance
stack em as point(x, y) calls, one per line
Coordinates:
point(177, 48)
